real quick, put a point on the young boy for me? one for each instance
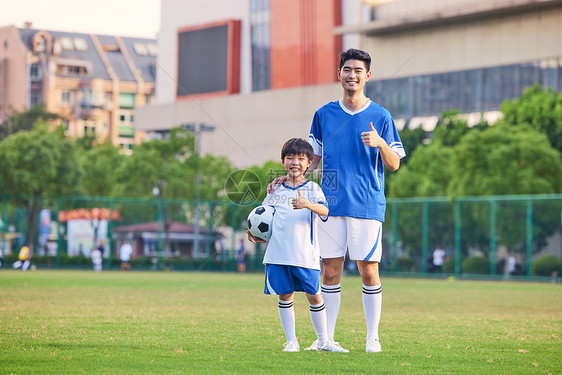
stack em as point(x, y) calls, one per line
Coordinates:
point(292, 258)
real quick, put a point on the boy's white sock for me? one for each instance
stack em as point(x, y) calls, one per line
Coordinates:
point(287, 315)
point(318, 317)
point(331, 294)
point(372, 304)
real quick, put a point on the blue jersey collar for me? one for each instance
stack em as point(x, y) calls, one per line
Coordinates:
point(296, 187)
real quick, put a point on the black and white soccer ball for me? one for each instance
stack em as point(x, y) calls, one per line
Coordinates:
point(260, 221)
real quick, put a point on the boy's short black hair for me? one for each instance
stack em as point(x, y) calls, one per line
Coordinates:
point(356, 54)
point(297, 146)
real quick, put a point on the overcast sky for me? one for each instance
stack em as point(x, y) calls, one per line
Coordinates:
point(140, 18)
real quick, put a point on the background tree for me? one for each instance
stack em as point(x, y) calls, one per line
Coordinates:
point(538, 108)
point(36, 165)
point(18, 121)
point(505, 160)
point(99, 166)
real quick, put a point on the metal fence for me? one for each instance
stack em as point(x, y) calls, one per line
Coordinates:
point(479, 234)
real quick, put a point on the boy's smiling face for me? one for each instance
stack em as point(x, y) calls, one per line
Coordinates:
point(296, 165)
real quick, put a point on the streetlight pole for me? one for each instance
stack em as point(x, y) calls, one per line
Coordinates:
point(197, 131)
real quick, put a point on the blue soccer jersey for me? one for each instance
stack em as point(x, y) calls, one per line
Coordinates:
point(352, 173)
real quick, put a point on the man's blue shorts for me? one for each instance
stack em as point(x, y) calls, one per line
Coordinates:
point(281, 279)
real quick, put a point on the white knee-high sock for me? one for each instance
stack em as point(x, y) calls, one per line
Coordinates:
point(318, 317)
point(287, 315)
point(372, 304)
point(332, 299)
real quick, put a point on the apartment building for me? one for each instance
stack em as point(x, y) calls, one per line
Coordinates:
point(94, 82)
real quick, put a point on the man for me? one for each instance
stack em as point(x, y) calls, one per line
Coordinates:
point(354, 139)
point(438, 258)
point(125, 252)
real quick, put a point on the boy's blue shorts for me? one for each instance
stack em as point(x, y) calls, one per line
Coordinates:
point(281, 279)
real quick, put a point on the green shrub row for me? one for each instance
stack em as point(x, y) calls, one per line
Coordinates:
point(543, 266)
point(479, 265)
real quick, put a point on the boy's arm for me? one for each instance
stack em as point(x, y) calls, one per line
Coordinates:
point(301, 202)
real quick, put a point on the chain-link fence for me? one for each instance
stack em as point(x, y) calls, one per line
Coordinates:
point(495, 236)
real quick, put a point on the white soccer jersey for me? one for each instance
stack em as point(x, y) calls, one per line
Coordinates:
point(293, 239)
point(353, 173)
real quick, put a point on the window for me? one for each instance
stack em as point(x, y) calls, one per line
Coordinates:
point(71, 70)
point(125, 117)
point(35, 72)
point(35, 97)
point(66, 43)
point(474, 90)
point(140, 49)
point(40, 44)
point(152, 49)
point(80, 44)
point(261, 44)
point(90, 128)
point(126, 100)
point(65, 98)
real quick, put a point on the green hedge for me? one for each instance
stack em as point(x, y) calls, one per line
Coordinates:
point(449, 265)
point(405, 264)
point(545, 265)
point(476, 266)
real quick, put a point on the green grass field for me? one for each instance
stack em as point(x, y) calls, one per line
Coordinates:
point(80, 322)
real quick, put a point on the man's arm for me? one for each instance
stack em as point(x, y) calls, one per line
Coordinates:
point(389, 158)
point(315, 163)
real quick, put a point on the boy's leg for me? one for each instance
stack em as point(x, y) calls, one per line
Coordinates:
point(287, 315)
point(26, 265)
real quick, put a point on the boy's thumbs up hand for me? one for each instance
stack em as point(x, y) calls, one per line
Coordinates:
point(300, 201)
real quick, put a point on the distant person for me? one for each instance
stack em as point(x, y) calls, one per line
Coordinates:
point(101, 248)
point(438, 259)
point(24, 257)
point(241, 258)
point(125, 252)
point(96, 256)
point(52, 247)
point(292, 257)
point(511, 265)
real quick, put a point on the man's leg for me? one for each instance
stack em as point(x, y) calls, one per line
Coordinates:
point(331, 291)
point(372, 302)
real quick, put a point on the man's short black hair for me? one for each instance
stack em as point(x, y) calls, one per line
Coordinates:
point(297, 146)
point(355, 54)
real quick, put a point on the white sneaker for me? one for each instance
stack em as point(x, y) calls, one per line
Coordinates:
point(291, 346)
point(333, 347)
point(314, 346)
point(373, 346)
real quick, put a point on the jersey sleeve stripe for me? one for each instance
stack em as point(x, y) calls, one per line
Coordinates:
point(316, 145)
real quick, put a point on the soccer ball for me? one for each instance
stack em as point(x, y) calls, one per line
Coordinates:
point(260, 221)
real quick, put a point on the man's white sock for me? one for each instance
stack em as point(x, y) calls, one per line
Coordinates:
point(318, 317)
point(372, 304)
point(287, 315)
point(332, 298)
